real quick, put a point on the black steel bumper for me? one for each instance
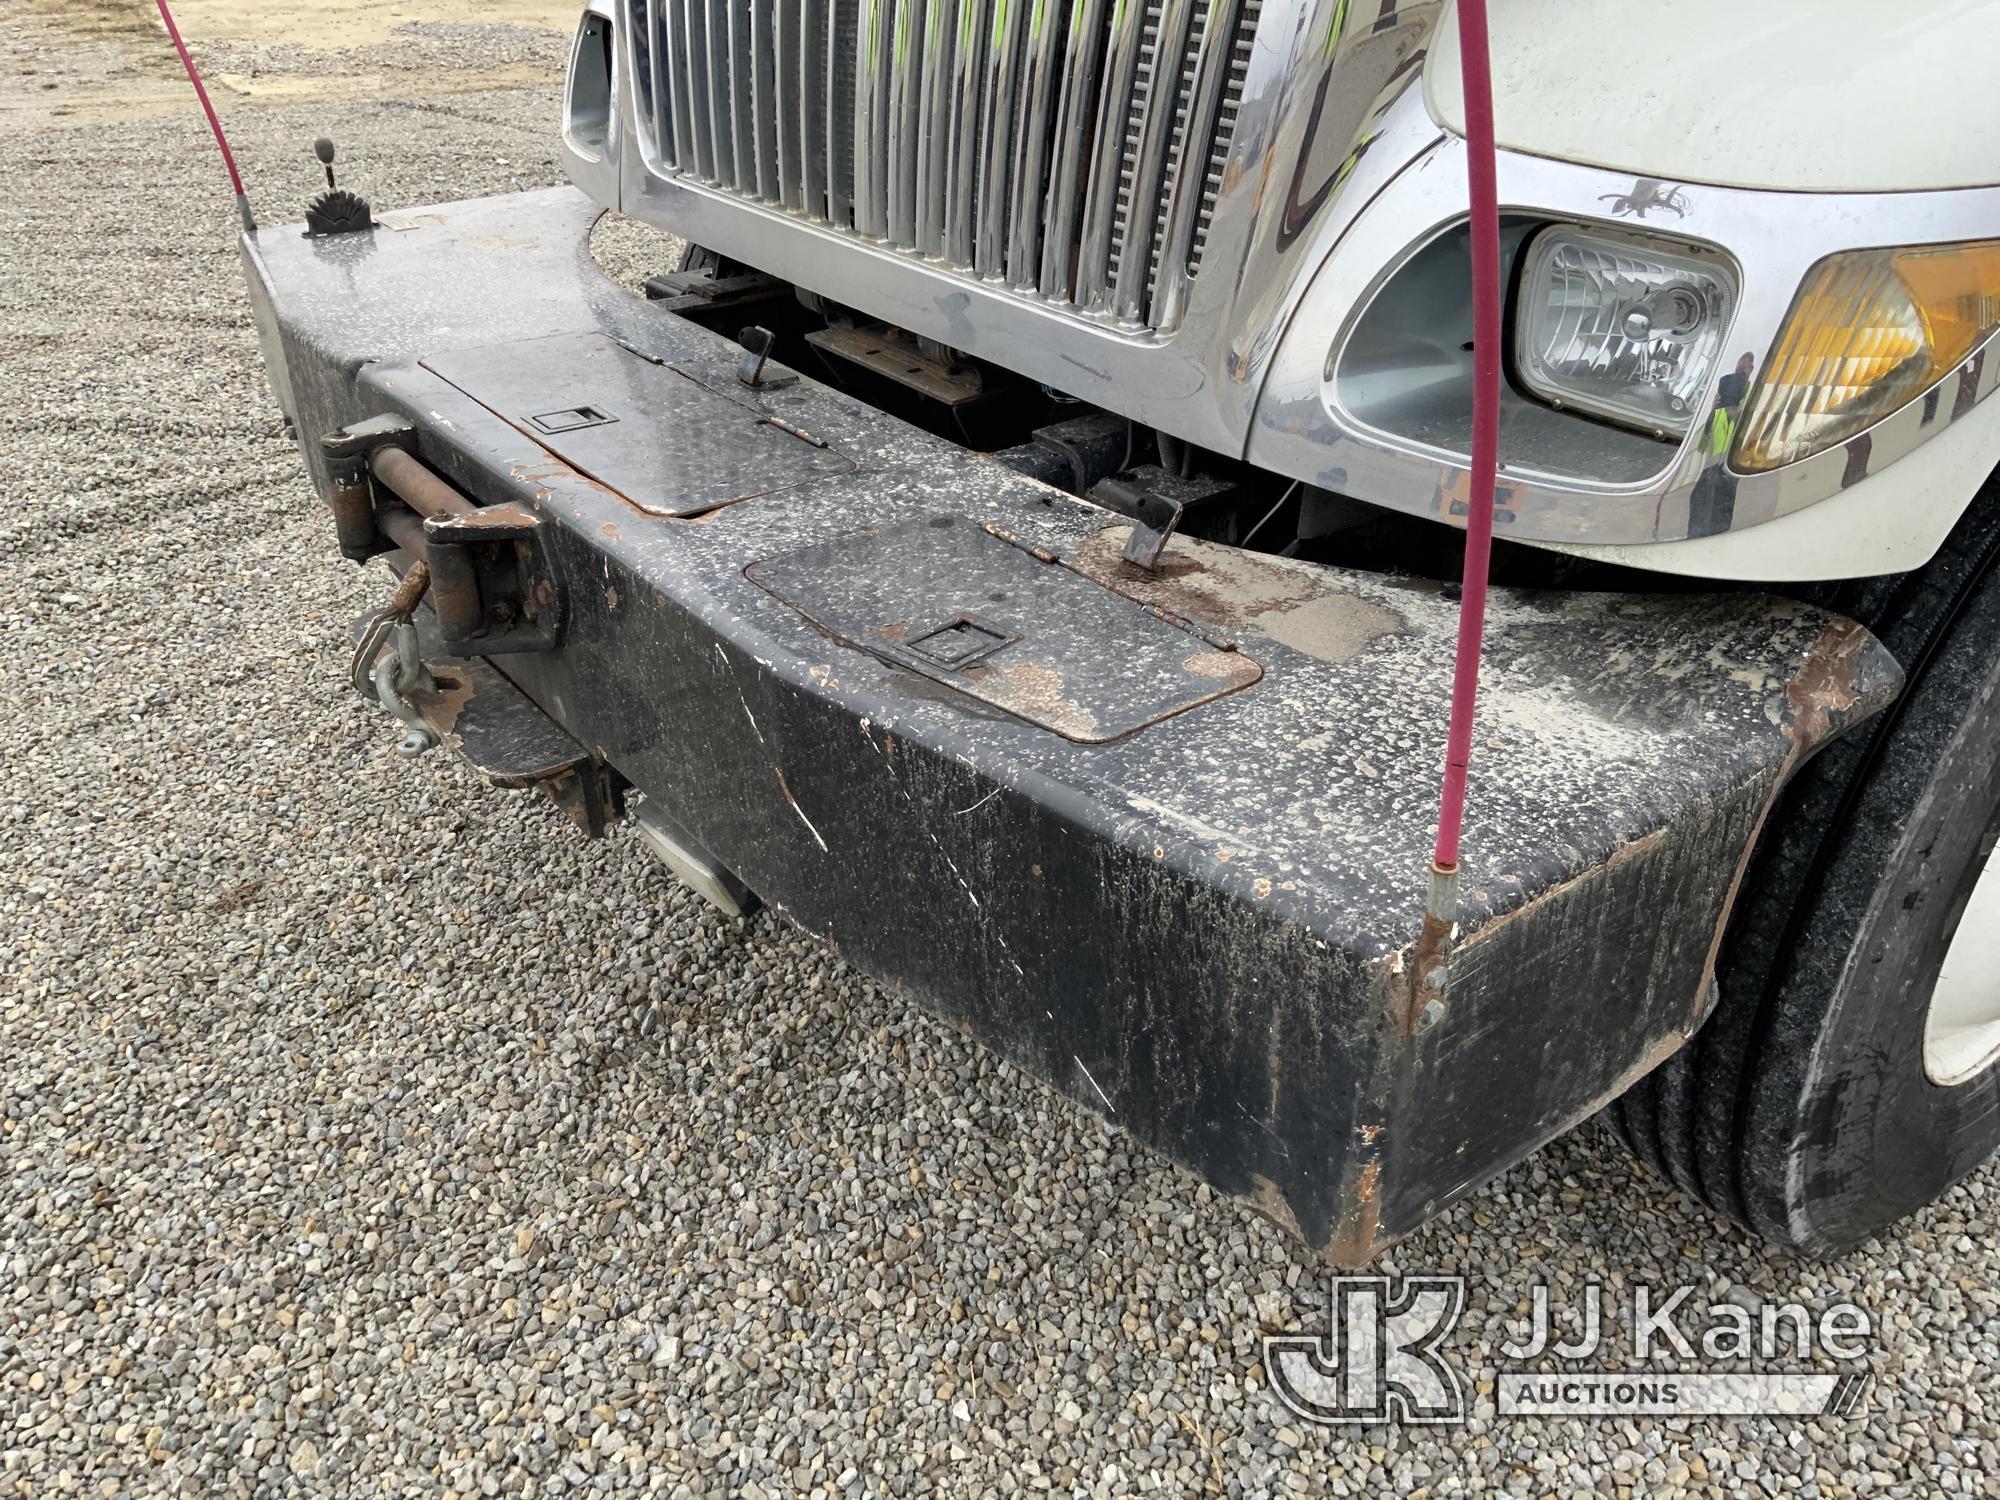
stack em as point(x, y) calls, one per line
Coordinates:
point(1161, 839)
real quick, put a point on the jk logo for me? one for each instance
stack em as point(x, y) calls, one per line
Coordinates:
point(1378, 1360)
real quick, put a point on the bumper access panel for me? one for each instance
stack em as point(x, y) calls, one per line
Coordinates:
point(1160, 838)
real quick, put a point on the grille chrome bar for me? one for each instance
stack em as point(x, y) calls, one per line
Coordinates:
point(998, 127)
point(694, 83)
point(813, 23)
point(1161, 138)
point(659, 95)
point(962, 166)
point(717, 82)
point(1075, 126)
point(934, 136)
point(842, 54)
point(1225, 60)
point(788, 105)
point(906, 120)
point(1071, 150)
point(1040, 77)
point(1122, 60)
point(763, 97)
point(739, 114)
point(871, 119)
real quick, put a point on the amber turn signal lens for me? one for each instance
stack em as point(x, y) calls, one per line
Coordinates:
point(1870, 331)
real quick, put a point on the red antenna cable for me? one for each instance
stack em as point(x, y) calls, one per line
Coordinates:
point(1481, 169)
point(214, 121)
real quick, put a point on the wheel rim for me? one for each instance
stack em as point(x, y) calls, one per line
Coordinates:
point(1962, 1026)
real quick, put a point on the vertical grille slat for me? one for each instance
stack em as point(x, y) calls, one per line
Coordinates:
point(1160, 136)
point(1006, 38)
point(1215, 85)
point(742, 95)
point(1073, 150)
point(719, 83)
point(670, 41)
point(1076, 124)
point(695, 85)
point(1110, 155)
point(962, 167)
point(812, 105)
point(787, 104)
point(1041, 76)
point(906, 119)
point(650, 68)
point(934, 136)
point(873, 32)
point(764, 104)
point(842, 59)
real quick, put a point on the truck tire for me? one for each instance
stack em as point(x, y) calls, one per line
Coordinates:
point(1841, 1083)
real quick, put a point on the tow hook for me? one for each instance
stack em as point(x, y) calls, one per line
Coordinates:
point(400, 670)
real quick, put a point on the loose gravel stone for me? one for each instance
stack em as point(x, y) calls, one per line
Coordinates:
point(364, 1130)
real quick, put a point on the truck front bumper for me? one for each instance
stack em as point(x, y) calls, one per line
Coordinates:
point(1162, 838)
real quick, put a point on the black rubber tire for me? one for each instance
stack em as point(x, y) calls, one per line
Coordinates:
point(1802, 1109)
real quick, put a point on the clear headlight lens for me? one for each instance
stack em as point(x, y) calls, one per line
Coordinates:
point(1869, 331)
point(1621, 327)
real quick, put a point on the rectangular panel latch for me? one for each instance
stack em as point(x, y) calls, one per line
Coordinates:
point(961, 643)
point(572, 419)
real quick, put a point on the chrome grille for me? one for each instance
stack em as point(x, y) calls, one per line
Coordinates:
point(1072, 150)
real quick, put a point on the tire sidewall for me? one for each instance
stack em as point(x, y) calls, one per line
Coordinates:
point(1854, 1134)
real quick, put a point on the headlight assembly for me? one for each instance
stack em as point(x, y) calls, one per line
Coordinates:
point(1870, 331)
point(1621, 327)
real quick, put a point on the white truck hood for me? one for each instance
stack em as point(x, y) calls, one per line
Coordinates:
point(1806, 95)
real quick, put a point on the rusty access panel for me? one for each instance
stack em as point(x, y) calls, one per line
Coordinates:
point(658, 437)
point(947, 598)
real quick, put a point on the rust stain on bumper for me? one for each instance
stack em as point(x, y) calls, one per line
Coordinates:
point(1037, 693)
point(1845, 665)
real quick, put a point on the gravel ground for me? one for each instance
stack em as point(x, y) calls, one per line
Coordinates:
point(362, 1130)
point(418, 47)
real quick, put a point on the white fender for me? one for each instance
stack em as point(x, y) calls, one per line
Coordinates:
point(1808, 95)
